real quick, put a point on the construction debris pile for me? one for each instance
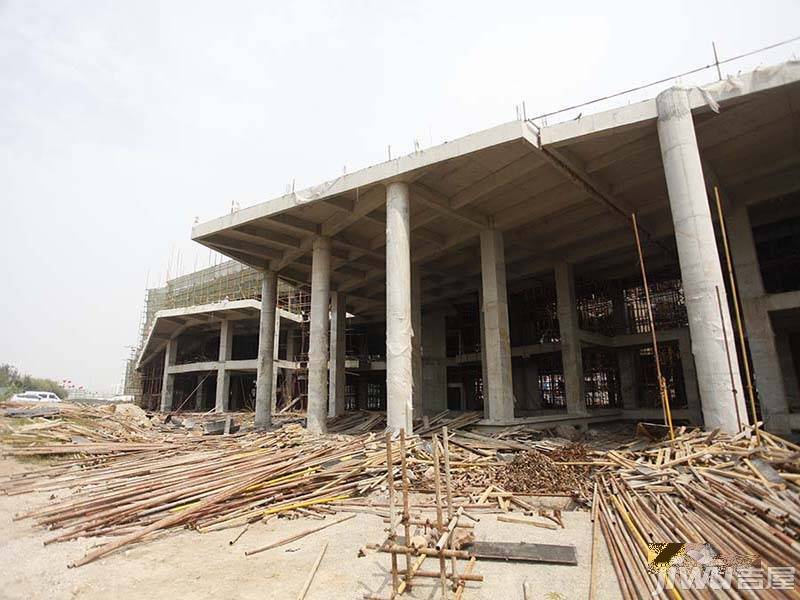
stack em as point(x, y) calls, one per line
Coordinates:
point(131, 475)
point(730, 492)
point(533, 472)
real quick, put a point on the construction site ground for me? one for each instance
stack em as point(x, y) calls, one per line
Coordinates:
point(114, 502)
point(187, 564)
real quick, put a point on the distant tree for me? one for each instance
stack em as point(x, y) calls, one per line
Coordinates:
point(13, 382)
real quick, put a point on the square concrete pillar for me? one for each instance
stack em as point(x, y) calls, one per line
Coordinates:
point(571, 353)
point(223, 376)
point(337, 374)
point(399, 370)
point(531, 394)
point(701, 272)
point(291, 356)
point(266, 349)
point(168, 380)
point(484, 376)
point(498, 387)
point(767, 373)
point(198, 392)
point(628, 380)
point(434, 362)
point(318, 337)
point(416, 342)
point(273, 401)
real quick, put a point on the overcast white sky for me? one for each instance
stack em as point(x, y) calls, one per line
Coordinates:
point(120, 122)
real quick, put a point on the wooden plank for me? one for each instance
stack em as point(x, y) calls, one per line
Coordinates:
point(519, 552)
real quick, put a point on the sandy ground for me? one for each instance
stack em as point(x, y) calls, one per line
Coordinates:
point(187, 564)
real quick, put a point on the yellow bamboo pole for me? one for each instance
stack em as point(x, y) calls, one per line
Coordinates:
point(662, 386)
point(748, 380)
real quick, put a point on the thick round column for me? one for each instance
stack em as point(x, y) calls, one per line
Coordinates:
point(699, 261)
point(399, 380)
point(266, 349)
point(318, 336)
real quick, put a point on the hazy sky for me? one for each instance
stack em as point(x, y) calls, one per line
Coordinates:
point(121, 122)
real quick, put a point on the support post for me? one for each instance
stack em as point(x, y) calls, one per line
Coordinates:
point(266, 349)
point(628, 385)
point(768, 375)
point(498, 389)
point(699, 261)
point(571, 352)
point(416, 342)
point(198, 392)
point(168, 380)
point(291, 356)
point(399, 376)
point(434, 364)
point(318, 336)
point(223, 376)
point(273, 401)
point(336, 381)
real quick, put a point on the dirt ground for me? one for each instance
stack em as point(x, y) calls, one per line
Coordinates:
point(187, 564)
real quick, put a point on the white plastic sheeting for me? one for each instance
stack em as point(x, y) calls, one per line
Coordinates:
point(700, 267)
point(399, 378)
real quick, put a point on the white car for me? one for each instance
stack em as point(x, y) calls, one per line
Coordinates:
point(35, 397)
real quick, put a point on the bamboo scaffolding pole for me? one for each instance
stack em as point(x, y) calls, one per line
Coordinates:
point(748, 379)
point(728, 355)
point(661, 383)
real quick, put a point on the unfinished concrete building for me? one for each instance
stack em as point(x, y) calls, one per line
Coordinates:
point(199, 340)
point(498, 272)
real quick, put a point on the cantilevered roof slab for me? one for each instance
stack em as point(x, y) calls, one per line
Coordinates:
point(560, 192)
point(171, 322)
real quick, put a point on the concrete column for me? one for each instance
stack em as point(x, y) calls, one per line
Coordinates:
point(484, 376)
point(628, 385)
point(318, 336)
point(266, 349)
point(363, 390)
point(499, 393)
point(790, 382)
point(690, 377)
point(289, 374)
point(168, 380)
point(273, 400)
point(571, 353)
point(223, 377)
point(198, 393)
point(766, 361)
point(416, 343)
point(399, 370)
point(619, 311)
point(336, 371)
point(434, 362)
point(534, 392)
point(699, 261)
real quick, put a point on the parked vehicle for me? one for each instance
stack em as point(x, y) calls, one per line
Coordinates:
point(33, 396)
